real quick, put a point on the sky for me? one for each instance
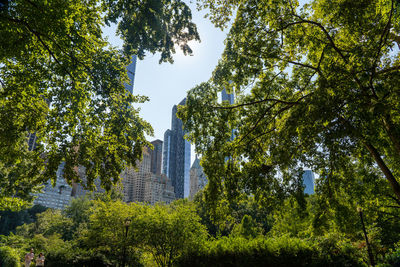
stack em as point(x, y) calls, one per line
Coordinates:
point(167, 84)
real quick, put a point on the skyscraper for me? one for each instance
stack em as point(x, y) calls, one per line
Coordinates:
point(131, 69)
point(55, 197)
point(308, 181)
point(227, 97)
point(134, 180)
point(177, 156)
point(156, 156)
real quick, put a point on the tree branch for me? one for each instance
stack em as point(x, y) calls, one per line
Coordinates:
point(382, 165)
point(262, 101)
point(388, 70)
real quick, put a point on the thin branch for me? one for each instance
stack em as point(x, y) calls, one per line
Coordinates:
point(330, 39)
point(303, 65)
point(257, 122)
point(262, 101)
point(388, 70)
point(37, 34)
point(258, 136)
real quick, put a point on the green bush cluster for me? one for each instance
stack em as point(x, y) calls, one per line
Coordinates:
point(9, 257)
point(94, 232)
point(277, 251)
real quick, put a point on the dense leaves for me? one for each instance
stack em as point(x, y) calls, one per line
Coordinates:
point(95, 232)
point(316, 86)
point(61, 87)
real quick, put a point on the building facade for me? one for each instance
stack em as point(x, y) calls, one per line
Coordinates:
point(131, 69)
point(158, 188)
point(156, 156)
point(56, 197)
point(309, 182)
point(134, 180)
point(198, 179)
point(177, 156)
point(144, 185)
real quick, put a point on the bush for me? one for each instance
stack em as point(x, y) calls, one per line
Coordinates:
point(261, 251)
point(392, 259)
point(9, 257)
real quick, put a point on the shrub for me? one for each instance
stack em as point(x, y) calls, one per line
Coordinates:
point(280, 251)
point(9, 257)
point(392, 259)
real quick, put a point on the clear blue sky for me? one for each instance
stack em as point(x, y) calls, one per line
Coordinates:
point(167, 84)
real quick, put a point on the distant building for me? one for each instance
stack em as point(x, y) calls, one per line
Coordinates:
point(55, 197)
point(78, 190)
point(158, 188)
point(134, 180)
point(177, 156)
point(308, 181)
point(156, 157)
point(198, 179)
point(31, 141)
point(227, 97)
point(131, 69)
point(142, 185)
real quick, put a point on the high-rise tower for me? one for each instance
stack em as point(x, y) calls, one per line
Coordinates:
point(227, 97)
point(156, 156)
point(308, 181)
point(131, 69)
point(177, 156)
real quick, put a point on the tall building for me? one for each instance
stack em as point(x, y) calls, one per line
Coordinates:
point(32, 141)
point(158, 188)
point(134, 180)
point(198, 179)
point(166, 151)
point(143, 185)
point(177, 156)
point(156, 156)
point(131, 69)
point(56, 197)
point(227, 97)
point(308, 181)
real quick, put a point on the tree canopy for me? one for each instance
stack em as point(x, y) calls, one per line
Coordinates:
point(62, 83)
point(316, 86)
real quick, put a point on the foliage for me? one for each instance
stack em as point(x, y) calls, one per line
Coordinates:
point(9, 257)
point(9, 220)
point(168, 231)
point(315, 86)
point(222, 217)
point(247, 228)
point(62, 83)
point(278, 251)
point(95, 233)
point(391, 259)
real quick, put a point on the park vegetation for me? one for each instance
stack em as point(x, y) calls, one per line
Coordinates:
point(104, 231)
point(316, 86)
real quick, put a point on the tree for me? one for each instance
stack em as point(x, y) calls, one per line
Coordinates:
point(316, 86)
point(62, 83)
point(167, 232)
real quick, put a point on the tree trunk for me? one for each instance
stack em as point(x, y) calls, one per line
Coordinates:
point(389, 175)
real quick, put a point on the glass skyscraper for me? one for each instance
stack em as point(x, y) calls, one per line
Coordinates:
point(308, 181)
point(176, 160)
point(131, 69)
point(55, 197)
